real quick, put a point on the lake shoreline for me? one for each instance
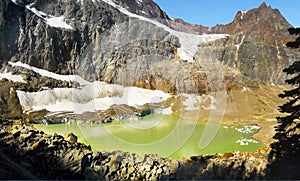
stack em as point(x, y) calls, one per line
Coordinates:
point(266, 124)
point(55, 157)
point(166, 135)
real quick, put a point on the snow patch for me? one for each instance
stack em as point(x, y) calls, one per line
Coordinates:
point(80, 1)
point(15, 1)
point(245, 141)
point(194, 102)
point(167, 111)
point(242, 41)
point(11, 90)
point(144, 13)
point(189, 42)
point(164, 111)
point(244, 89)
point(191, 102)
point(243, 14)
point(45, 73)
point(56, 22)
point(14, 78)
point(238, 48)
point(248, 129)
point(139, 1)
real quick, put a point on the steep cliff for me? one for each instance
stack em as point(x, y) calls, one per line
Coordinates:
point(257, 45)
point(99, 42)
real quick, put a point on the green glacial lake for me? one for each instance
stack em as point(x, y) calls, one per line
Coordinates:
point(166, 135)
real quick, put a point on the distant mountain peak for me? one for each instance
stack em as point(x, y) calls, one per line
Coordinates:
point(263, 6)
point(264, 18)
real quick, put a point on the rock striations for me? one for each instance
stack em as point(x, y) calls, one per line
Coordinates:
point(104, 44)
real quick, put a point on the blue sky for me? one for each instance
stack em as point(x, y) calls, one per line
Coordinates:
point(212, 12)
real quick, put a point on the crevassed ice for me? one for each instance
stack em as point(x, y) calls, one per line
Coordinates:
point(91, 97)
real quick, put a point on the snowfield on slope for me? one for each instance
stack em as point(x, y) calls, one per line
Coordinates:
point(56, 22)
point(11, 77)
point(45, 73)
point(53, 21)
point(189, 42)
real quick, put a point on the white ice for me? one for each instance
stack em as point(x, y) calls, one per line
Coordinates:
point(248, 129)
point(189, 42)
point(14, 78)
point(91, 97)
point(57, 22)
point(245, 141)
point(46, 73)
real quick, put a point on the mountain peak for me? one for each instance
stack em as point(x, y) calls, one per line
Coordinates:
point(263, 6)
point(146, 8)
point(263, 17)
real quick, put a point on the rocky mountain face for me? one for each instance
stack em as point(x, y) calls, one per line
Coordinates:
point(257, 45)
point(134, 43)
point(103, 41)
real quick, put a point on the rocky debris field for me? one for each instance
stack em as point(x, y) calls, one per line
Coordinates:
point(27, 153)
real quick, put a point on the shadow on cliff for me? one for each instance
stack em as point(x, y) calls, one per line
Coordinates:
point(31, 166)
point(26, 154)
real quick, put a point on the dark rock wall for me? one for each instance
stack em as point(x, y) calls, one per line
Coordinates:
point(33, 42)
point(109, 46)
point(254, 58)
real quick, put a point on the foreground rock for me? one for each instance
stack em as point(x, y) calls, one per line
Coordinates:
point(36, 155)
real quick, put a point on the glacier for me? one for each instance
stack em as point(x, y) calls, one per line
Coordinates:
point(90, 97)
